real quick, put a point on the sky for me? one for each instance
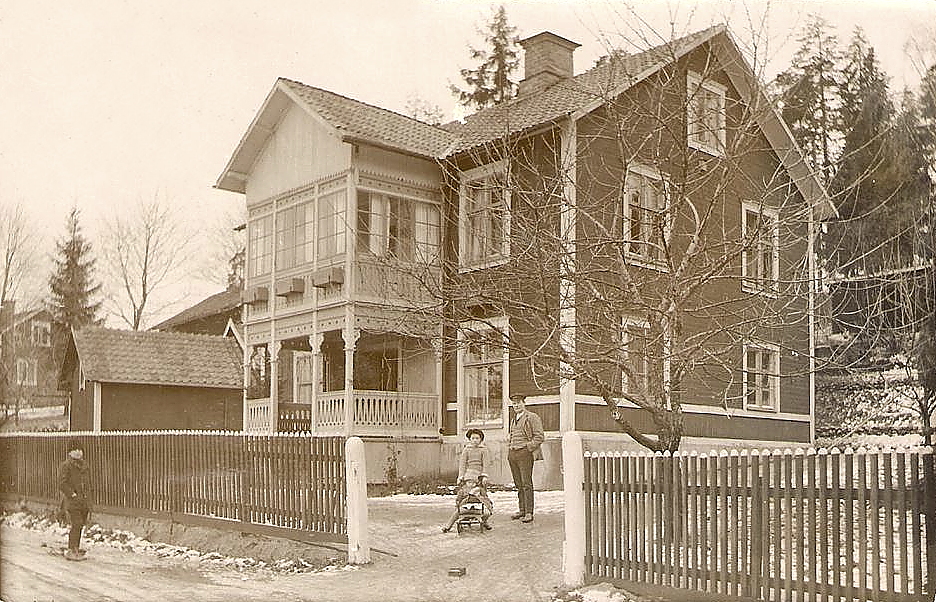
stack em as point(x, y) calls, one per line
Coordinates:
point(104, 103)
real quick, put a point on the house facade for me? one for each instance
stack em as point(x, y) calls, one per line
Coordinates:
point(637, 236)
point(29, 360)
point(132, 381)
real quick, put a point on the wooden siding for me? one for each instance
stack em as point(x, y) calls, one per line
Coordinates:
point(131, 407)
point(301, 150)
point(81, 408)
point(594, 417)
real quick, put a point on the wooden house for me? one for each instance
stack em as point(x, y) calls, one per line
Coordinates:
point(403, 279)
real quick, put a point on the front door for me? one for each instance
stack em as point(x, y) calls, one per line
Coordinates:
point(303, 375)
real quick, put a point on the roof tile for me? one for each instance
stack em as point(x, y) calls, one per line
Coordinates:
point(168, 358)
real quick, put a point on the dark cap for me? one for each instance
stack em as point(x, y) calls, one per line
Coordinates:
point(471, 432)
point(518, 397)
point(75, 443)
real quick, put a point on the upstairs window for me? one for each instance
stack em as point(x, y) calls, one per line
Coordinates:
point(332, 219)
point(294, 235)
point(402, 228)
point(260, 246)
point(760, 253)
point(705, 115)
point(484, 227)
point(42, 334)
point(645, 224)
point(761, 376)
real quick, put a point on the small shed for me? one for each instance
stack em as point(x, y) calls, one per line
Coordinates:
point(133, 380)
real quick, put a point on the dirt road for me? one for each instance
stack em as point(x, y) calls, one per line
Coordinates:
point(514, 562)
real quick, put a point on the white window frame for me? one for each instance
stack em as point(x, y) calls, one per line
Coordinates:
point(628, 322)
point(773, 386)
point(466, 263)
point(757, 283)
point(425, 246)
point(635, 257)
point(695, 82)
point(42, 334)
point(465, 329)
point(26, 372)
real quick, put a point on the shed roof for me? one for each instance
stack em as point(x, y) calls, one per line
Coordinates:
point(161, 358)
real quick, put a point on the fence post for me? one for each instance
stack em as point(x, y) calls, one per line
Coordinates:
point(356, 478)
point(573, 479)
point(929, 495)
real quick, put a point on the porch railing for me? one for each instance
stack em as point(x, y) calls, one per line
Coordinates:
point(374, 413)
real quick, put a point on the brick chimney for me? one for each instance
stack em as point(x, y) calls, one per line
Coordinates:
point(547, 60)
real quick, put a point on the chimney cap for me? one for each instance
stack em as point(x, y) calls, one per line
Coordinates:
point(550, 36)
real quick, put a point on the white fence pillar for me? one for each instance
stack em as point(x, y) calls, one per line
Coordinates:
point(573, 479)
point(356, 478)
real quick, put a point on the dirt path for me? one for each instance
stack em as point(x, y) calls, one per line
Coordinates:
point(514, 562)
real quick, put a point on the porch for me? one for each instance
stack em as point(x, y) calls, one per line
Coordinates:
point(346, 383)
point(374, 413)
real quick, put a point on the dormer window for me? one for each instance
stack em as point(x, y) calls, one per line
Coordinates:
point(483, 219)
point(705, 115)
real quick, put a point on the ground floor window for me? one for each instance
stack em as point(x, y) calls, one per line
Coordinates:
point(761, 376)
point(483, 373)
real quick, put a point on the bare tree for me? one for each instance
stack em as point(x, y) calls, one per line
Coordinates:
point(144, 254)
point(18, 246)
point(635, 270)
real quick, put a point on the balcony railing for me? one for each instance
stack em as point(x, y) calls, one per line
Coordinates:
point(374, 413)
point(407, 285)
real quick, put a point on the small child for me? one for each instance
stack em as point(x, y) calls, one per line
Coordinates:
point(473, 465)
point(479, 491)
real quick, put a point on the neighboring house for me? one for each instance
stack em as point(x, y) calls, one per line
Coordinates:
point(29, 360)
point(213, 315)
point(131, 380)
point(354, 210)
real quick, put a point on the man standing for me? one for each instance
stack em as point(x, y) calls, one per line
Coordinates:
point(74, 485)
point(526, 436)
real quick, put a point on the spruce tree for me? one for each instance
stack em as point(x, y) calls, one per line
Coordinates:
point(490, 82)
point(808, 94)
point(874, 178)
point(72, 285)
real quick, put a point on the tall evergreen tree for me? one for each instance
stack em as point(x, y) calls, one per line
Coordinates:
point(808, 93)
point(874, 184)
point(490, 82)
point(72, 285)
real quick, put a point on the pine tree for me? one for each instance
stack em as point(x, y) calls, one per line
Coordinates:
point(490, 82)
point(72, 286)
point(808, 93)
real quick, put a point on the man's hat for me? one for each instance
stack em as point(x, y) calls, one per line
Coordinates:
point(518, 397)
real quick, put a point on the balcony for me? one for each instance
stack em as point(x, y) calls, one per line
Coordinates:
point(375, 280)
point(375, 413)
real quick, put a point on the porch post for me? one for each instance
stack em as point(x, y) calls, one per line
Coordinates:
point(274, 385)
point(437, 353)
point(315, 342)
point(350, 334)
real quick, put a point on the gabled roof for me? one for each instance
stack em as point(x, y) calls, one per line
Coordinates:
point(567, 97)
point(158, 358)
point(350, 120)
point(217, 303)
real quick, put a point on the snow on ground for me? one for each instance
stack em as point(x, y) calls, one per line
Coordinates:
point(130, 542)
point(546, 502)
